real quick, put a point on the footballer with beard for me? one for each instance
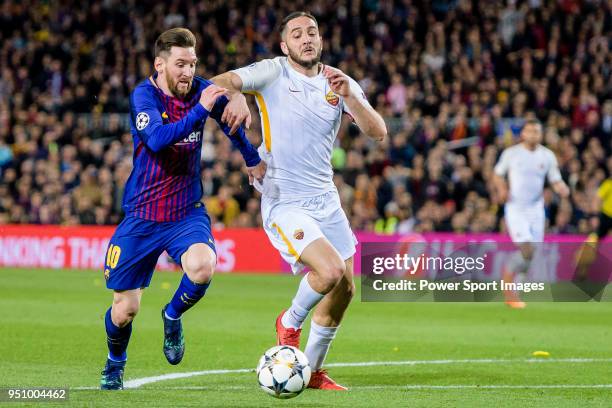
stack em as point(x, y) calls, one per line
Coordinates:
point(301, 103)
point(162, 199)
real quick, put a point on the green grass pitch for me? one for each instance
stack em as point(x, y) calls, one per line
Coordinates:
point(53, 335)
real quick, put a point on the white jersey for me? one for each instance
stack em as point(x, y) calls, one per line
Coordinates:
point(527, 171)
point(300, 118)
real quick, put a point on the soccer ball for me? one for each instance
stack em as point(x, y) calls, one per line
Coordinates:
point(283, 372)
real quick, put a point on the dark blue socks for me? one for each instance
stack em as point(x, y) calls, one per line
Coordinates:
point(187, 295)
point(117, 338)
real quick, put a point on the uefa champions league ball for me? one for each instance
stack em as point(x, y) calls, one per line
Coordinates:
point(283, 372)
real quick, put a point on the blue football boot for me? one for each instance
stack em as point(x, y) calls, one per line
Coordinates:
point(174, 343)
point(112, 375)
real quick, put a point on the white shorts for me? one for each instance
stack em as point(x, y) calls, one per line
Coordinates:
point(525, 224)
point(291, 225)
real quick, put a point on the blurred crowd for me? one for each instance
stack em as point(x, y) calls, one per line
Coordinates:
point(453, 79)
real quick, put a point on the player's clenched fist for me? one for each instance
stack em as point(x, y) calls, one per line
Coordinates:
point(338, 81)
point(210, 94)
point(257, 172)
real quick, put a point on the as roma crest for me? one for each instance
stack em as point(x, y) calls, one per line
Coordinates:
point(298, 234)
point(332, 98)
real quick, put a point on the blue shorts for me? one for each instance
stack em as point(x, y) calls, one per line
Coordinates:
point(137, 244)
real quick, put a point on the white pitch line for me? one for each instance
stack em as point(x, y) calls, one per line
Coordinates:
point(412, 387)
point(138, 382)
point(397, 387)
point(472, 361)
point(478, 386)
point(174, 376)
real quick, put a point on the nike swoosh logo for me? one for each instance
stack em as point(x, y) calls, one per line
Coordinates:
point(294, 90)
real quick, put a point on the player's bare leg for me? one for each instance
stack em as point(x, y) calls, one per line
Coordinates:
point(327, 268)
point(118, 321)
point(517, 267)
point(126, 304)
point(330, 310)
point(323, 327)
point(198, 262)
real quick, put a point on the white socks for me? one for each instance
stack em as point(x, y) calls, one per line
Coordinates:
point(305, 299)
point(320, 337)
point(319, 340)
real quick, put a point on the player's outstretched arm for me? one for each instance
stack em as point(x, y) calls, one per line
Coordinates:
point(252, 78)
point(237, 110)
point(368, 120)
point(230, 81)
point(149, 124)
point(256, 168)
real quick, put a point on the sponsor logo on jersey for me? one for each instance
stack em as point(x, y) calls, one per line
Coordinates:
point(332, 98)
point(298, 234)
point(194, 137)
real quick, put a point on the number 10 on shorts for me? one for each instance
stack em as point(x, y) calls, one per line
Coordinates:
point(112, 256)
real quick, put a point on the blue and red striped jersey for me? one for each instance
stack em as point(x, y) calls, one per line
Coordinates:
point(167, 133)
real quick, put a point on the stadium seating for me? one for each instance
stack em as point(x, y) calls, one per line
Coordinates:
point(453, 82)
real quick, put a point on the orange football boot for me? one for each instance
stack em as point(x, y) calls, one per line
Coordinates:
point(512, 298)
point(286, 336)
point(320, 380)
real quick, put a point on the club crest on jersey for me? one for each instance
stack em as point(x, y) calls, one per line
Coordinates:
point(332, 98)
point(106, 273)
point(298, 234)
point(142, 120)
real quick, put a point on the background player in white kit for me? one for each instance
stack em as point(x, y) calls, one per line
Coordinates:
point(527, 165)
point(301, 103)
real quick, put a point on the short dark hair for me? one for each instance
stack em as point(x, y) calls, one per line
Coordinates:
point(293, 15)
point(531, 121)
point(174, 37)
